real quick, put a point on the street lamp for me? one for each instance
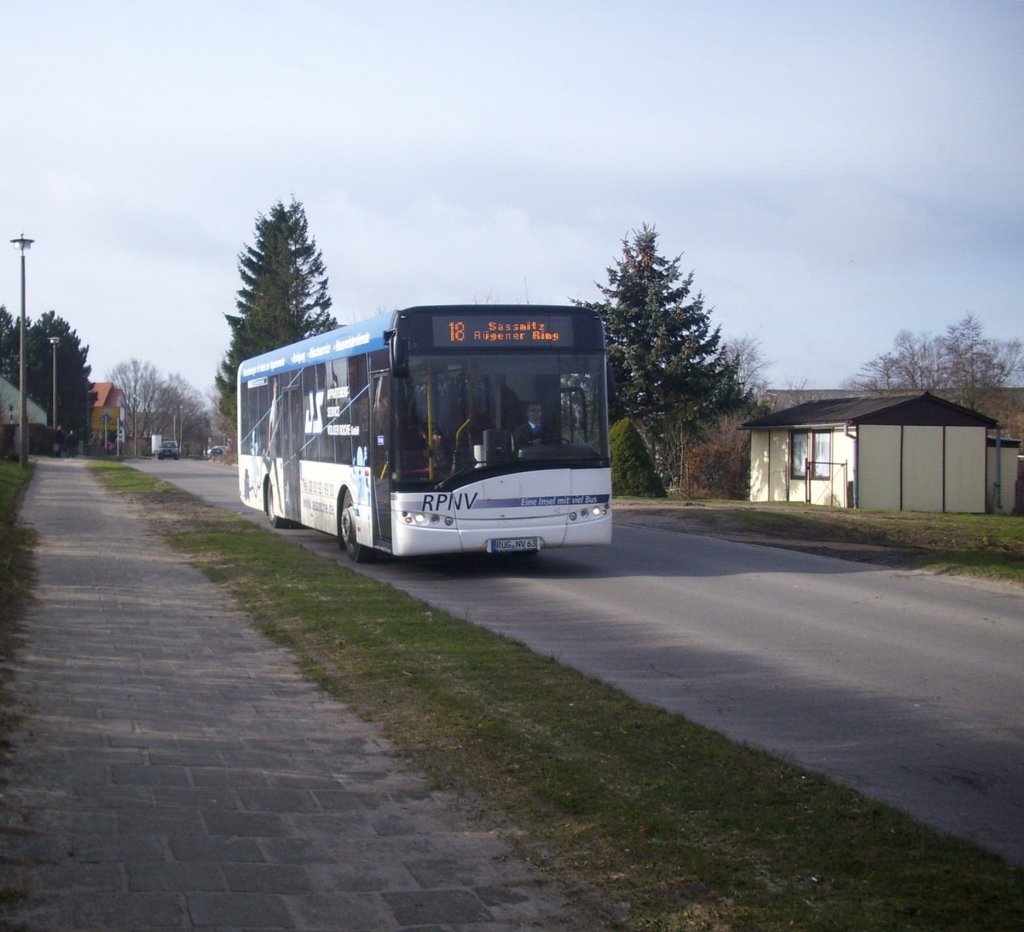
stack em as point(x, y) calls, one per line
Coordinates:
point(54, 341)
point(22, 244)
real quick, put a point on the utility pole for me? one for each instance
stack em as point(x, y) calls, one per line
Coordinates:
point(23, 244)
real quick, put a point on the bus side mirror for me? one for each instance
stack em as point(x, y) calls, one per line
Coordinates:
point(612, 389)
point(398, 348)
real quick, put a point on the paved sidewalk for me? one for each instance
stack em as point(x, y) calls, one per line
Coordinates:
point(175, 771)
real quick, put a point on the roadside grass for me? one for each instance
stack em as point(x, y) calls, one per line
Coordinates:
point(687, 829)
point(15, 543)
point(16, 581)
point(16, 572)
point(986, 546)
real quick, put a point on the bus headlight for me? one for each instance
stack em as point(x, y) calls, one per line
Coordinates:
point(420, 519)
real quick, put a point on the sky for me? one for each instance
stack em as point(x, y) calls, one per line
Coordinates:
point(831, 172)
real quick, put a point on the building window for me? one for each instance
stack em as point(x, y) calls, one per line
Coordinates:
point(810, 447)
point(821, 468)
point(798, 454)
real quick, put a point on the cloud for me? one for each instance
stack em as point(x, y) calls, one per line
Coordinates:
point(831, 172)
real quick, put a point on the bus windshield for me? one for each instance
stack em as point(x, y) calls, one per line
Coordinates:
point(457, 413)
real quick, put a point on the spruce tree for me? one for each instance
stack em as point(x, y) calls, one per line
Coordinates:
point(283, 297)
point(10, 336)
point(672, 370)
point(74, 373)
point(73, 369)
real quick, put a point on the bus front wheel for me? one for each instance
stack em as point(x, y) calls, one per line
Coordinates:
point(358, 553)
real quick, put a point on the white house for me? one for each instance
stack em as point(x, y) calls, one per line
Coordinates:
point(899, 453)
point(10, 406)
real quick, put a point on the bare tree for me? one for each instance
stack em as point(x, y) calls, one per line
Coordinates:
point(975, 366)
point(961, 365)
point(155, 404)
point(915, 362)
point(183, 413)
point(750, 364)
point(142, 385)
point(222, 428)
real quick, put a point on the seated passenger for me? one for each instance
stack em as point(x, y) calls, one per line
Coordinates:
point(440, 453)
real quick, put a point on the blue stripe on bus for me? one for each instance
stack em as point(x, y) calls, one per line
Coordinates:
point(455, 500)
point(353, 340)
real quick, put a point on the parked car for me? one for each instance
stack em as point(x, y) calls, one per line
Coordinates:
point(218, 451)
point(168, 450)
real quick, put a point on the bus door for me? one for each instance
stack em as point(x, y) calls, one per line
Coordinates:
point(380, 439)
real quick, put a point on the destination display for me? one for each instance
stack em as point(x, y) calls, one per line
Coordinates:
point(521, 331)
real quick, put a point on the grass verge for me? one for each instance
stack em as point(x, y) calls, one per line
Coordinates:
point(688, 829)
point(16, 581)
point(16, 574)
point(986, 546)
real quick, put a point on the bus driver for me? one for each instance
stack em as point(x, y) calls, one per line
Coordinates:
point(534, 431)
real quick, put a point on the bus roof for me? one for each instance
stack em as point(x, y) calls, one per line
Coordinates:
point(368, 335)
point(361, 337)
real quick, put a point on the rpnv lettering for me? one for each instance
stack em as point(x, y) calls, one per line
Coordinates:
point(449, 501)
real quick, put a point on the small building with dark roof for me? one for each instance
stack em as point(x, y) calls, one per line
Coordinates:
point(896, 453)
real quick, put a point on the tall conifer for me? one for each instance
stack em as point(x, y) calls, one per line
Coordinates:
point(74, 373)
point(283, 297)
point(671, 368)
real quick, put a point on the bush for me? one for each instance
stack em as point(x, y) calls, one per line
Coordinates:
point(719, 465)
point(633, 471)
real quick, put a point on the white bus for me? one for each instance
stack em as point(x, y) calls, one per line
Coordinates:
point(407, 433)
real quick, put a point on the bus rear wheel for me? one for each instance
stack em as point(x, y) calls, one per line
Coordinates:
point(357, 552)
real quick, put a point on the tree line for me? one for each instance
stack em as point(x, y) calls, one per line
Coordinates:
point(165, 405)
point(69, 356)
point(674, 371)
point(153, 403)
point(681, 386)
point(960, 364)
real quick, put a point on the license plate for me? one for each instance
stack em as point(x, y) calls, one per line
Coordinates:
point(513, 544)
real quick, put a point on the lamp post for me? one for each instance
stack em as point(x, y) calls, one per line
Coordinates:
point(22, 244)
point(54, 341)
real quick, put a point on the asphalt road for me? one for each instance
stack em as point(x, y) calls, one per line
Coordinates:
point(906, 686)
